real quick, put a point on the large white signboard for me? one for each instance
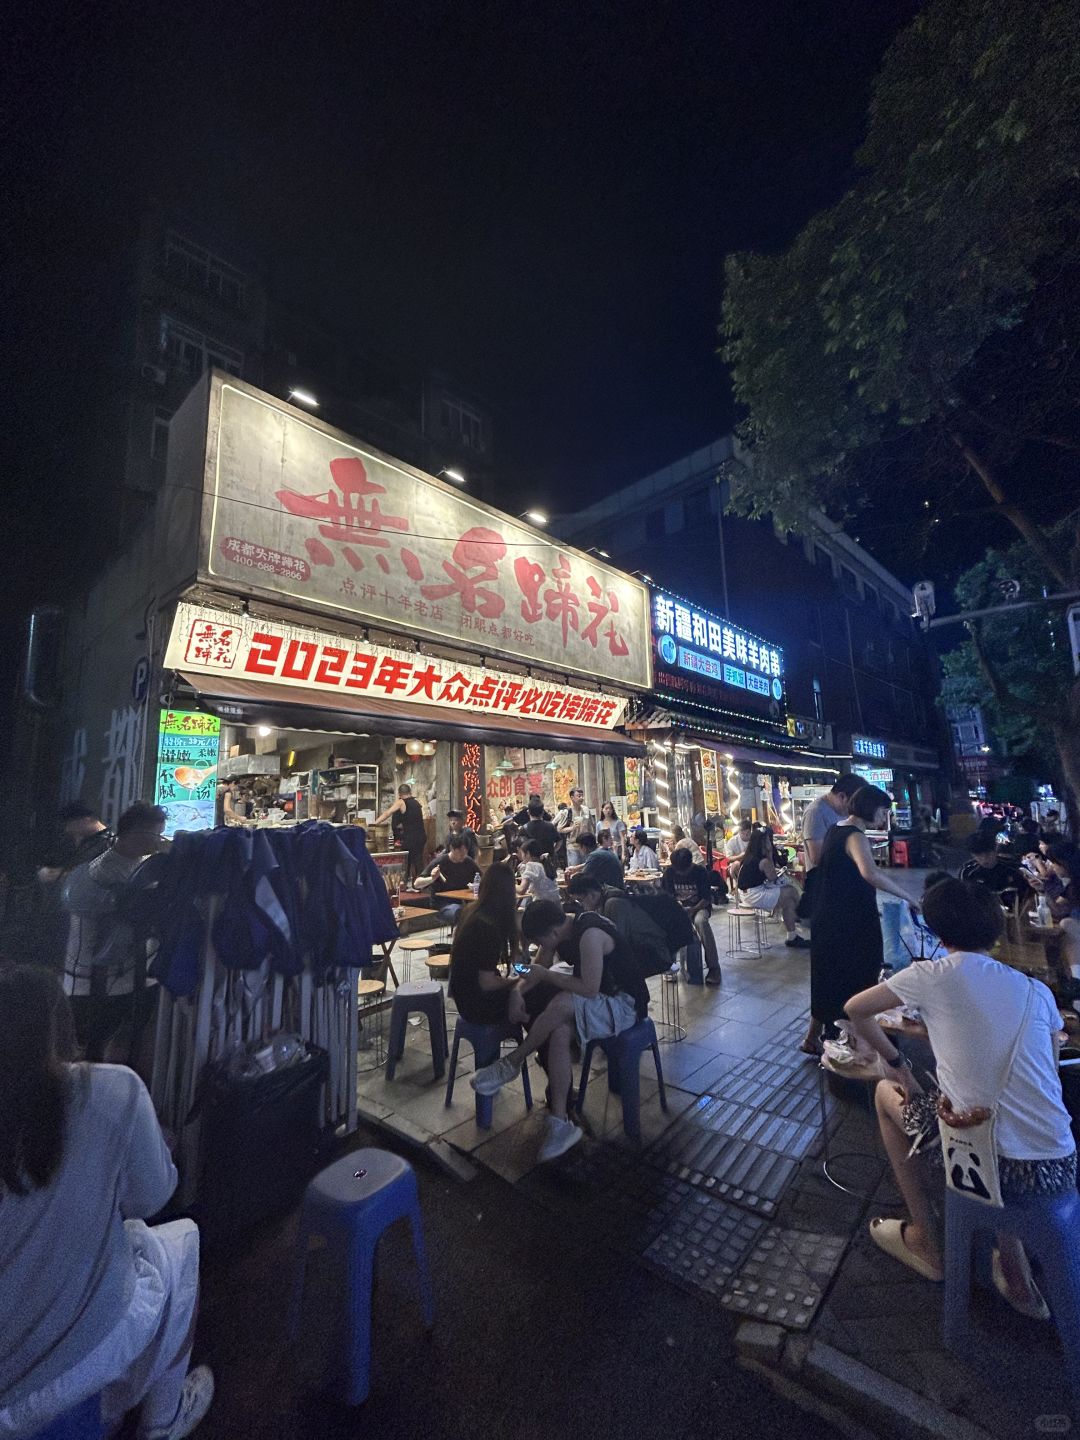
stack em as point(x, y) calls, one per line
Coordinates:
point(296, 511)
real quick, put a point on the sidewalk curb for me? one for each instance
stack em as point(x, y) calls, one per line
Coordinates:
point(821, 1378)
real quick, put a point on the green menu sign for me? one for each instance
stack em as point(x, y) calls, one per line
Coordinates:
point(187, 769)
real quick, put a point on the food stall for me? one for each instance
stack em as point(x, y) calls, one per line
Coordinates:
point(354, 625)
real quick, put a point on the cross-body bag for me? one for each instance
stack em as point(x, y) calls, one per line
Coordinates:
point(967, 1147)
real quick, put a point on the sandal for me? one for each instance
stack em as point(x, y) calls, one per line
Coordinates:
point(1035, 1307)
point(888, 1235)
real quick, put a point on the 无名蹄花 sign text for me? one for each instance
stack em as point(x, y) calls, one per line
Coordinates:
point(299, 512)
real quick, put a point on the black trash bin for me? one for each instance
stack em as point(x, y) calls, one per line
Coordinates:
point(262, 1140)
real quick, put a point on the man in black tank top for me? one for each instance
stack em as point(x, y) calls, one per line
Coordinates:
point(407, 822)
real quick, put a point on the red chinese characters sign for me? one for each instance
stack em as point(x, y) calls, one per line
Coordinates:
point(208, 641)
point(472, 785)
point(294, 510)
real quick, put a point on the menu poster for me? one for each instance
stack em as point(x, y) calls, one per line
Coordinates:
point(187, 769)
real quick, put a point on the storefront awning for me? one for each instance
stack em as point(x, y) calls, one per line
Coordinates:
point(766, 759)
point(291, 707)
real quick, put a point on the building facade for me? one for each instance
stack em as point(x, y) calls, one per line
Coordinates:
point(859, 683)
point(193, 304)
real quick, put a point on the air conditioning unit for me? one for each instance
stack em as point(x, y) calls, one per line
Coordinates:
point(156, 373)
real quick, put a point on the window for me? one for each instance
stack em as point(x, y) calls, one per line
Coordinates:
point(892, 612)
point(462, 423)
point(159, 438)
point(849, 582)
point(823, 560)
point(870, 595)
point(819, 704)
point(192, 352)
point(189, 264)
point(698, 509)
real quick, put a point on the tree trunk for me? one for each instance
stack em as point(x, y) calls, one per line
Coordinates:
point(1066, 733)
point(1016, 517)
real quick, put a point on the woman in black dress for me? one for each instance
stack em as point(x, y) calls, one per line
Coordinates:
point(846, 952)
point(486, 938)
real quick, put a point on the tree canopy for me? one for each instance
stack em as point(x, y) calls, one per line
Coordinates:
point(1018, 665)
point(932, 307)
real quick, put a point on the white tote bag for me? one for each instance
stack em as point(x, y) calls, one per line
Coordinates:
point(968, 1150)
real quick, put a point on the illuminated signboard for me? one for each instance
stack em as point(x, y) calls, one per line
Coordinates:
point(881, 776)
point(296, 511)
point(702, 656)
point(208, 641)
point(872, 749)
point(187, 765)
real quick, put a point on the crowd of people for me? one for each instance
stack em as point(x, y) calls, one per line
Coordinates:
point(81, 1151)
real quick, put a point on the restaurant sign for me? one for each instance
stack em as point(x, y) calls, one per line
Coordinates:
point(294, 509)
point(704, 657)
point(206, 641)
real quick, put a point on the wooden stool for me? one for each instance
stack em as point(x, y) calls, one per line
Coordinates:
point(371, 1045)
point(439, 966)
point(409, 947)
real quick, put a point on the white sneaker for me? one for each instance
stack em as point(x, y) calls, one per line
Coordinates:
point(562, 1135)
point(195, 1401)
point(494, 1076)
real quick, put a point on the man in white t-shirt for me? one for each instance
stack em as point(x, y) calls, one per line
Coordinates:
point(823, 813)
point(973, 1008)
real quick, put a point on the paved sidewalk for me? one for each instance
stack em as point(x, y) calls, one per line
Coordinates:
point(727, 1198)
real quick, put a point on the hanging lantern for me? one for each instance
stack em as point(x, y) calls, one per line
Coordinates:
point(414, 747)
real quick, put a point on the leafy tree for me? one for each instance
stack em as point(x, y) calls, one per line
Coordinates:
point(935, 295)
point(1018, 667)
point(921, 335)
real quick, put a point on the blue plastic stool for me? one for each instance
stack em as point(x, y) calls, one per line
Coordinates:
point(425, 996)
point(1048, 1226)
point(350, 1204)
point(81, 1423)
point(486, 1041)
point(624, 1052)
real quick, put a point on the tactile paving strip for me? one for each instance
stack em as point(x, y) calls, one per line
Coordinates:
point(703, 1243)
point(785, 1276)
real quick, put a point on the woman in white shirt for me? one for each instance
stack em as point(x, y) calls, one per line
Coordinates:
point(643, 858)
point(972, 1007)
point(91, 1299)
point(533, 881)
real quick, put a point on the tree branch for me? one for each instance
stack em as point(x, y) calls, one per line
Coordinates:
point(1018, 518)
point(1046, 715)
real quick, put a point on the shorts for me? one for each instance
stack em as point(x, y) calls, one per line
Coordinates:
point(763, 897)
point(603, 1016)
point(1019, 1178)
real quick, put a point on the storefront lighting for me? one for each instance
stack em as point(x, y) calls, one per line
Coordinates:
point(428, 748)
point(414, 747)
point(552, 765)
point(534, 517)
point(263, 731)
point(304, 397)
point(455, 475)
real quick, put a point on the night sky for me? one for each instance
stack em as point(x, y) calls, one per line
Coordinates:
point(537, 199)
